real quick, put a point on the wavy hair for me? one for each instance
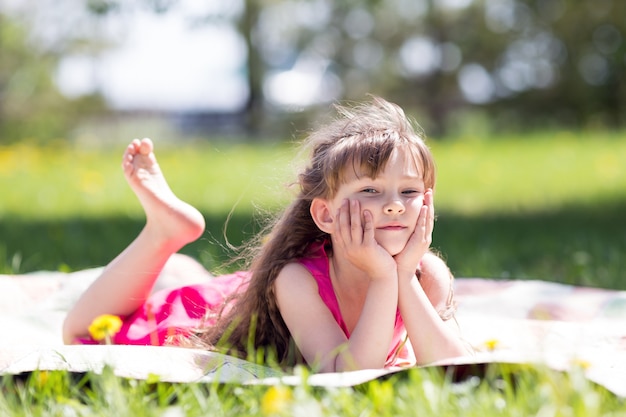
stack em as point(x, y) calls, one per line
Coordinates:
point(362, 136)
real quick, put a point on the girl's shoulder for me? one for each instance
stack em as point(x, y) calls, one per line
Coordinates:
point(295, 272)
point(295, 281)
point(308, 275)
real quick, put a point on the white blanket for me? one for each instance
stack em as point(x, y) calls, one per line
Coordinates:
point(506, 321)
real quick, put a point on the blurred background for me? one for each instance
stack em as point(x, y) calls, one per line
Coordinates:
point(523, 102)
point(257, 67)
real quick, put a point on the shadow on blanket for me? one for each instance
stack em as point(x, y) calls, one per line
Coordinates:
point(513, 322)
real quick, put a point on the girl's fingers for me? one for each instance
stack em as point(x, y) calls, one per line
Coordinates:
point(368, 226)
point(352, 226)
point(343, 221)
point(356, 228)
point(428, 201)
point(420, 240)
point(428, 197)
point(423, 226)
point(422, 223)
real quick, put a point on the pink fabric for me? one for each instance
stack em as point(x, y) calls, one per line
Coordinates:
point(400, 353)
point(176, 312)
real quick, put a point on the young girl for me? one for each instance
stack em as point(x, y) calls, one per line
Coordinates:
point(343, 280)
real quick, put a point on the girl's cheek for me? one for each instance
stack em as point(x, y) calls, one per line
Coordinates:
point(416, 201)
point(364, 205)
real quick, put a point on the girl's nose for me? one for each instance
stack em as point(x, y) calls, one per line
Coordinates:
point(394, 207)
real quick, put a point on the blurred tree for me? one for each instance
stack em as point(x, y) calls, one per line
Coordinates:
point(256, 69)
point(561, 63)
point(519, 63)
point(31, 107)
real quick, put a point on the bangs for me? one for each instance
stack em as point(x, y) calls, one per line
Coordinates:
point(361, 143)
point(364, 156)
point(368, 154)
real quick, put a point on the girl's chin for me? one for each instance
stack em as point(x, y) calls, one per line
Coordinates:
point(393, 249)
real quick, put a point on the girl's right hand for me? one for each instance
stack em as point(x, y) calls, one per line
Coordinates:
point(355, 237)
point(408, 260)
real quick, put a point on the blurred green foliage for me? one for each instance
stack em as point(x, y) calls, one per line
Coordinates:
point(545, 205)
point(31, 106)
point(455, 65)
point(515, 208)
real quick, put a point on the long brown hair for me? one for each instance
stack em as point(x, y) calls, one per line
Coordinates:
point(362, 136)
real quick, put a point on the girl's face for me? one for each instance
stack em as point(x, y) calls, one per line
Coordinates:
point(394, 198)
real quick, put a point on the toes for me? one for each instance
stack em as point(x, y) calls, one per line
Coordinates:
point(136, 153)
point(127, 157)
point(134, 145)
point(131, 149)
point(146, 146)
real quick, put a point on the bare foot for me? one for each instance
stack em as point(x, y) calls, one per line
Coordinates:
point(167, 217)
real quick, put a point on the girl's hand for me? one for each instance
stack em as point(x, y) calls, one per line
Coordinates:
point(408, 260)
point(355, 239)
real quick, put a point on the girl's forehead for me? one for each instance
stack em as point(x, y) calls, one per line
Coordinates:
point(405, 161)
point(401, 162)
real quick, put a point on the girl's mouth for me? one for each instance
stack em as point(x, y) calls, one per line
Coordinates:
point(391, 227)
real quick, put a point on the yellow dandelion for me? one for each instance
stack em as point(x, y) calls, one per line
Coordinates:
point(41, 378)
point(491, 344)
point(91, 182)
point(540, 313)
point(581, 363)
point(275, 400)
point(104, 327)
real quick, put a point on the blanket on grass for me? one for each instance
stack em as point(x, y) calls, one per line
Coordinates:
point(557, 325)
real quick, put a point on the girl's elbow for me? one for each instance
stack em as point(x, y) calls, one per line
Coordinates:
point(349, 364)
point(334, 364)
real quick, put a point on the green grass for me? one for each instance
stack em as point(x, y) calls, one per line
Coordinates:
point(532, 174)
point(61, 182)
point(547, 206)
point(514, 390)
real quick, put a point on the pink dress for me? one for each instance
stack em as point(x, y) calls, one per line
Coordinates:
point(400, 352)
point(177, 312)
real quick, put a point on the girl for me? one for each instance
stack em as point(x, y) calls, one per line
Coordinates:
point(343, 280)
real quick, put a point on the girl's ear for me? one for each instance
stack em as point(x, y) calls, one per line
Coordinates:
point(321, 214)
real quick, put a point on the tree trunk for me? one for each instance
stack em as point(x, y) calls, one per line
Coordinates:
point(254, 106)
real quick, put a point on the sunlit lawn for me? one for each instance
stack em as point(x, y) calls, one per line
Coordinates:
point(514, 175)
point(546, 206)
point(507, 390)
point(531, 174)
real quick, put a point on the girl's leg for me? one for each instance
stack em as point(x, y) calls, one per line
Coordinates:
point(127, 281)
point(181, 270)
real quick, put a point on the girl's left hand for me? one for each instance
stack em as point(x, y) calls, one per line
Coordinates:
point(408, 260)
point(353, 237)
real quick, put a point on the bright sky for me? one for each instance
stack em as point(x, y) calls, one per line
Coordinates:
point(163, 64)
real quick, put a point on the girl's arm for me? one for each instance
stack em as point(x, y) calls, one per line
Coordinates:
point(358, 260)
point(318, 336)
point(419, 302)
point(432, 338)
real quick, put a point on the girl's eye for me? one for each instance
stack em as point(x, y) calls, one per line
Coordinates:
point(411, 192)
point(368, 190)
